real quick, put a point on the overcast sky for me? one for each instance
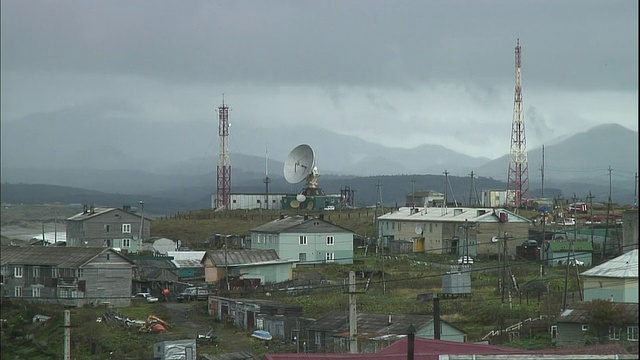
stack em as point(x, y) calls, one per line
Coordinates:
point(399, 73)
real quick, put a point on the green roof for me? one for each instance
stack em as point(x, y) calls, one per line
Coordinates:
point(577, 245)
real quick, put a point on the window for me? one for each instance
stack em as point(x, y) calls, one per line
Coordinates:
point(329, 240)
point(554, 331)
point(614, 333)
point(330, 256)
point(632, 333)
point(17, 271)
point(79, 272)
point(302, 256)
point(318, 338)
point(36, 271)
point(107, 228)
point(303, 240)
point(17, 291)
point(585, 327)
point(126, 228)
point(126, 242)
point(54, 272)
point(35, 292)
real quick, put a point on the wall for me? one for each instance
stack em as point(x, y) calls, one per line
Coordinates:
point(570, 334)
point(621, 289)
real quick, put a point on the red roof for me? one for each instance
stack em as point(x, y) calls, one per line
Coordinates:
point(430, 349)
point(424, 349)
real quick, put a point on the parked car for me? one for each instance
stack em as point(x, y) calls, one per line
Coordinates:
point(574, 262)
point(465, 260)
point(146, 296)
point(193, 293)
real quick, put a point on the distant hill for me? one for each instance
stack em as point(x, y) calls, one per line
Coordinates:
point(177, 162)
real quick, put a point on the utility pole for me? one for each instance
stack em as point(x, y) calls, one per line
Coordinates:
point(67, 335)
point(446, 182)
point(504, 264)
point(266, 181)
point(141, 219)
point(466, 239)
point(635, 191)
point(542, 171)
point(566, 276)
point(380, 239)
point(590, 197)
point(436, 318)
point(353, 316)
point(413, 194)
point(606, 233)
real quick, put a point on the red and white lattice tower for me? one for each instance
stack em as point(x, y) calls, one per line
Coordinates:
point(518, 179)
point(223, 194)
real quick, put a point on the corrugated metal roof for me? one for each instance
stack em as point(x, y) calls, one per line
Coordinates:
point(290, 222)
point(455, 214)
point(187, 259)
point(580, 312)
point(624, 266)
point(62, 257)
point(372, 324)
point(236, 257)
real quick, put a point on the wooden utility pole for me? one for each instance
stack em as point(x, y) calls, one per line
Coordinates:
point(606, 232)
point(504, 265)
point(67, 335)
point(436, 318)
point(353, 316)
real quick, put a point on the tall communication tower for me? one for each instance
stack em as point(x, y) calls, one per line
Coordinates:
point(518, 179)
point(223, 189)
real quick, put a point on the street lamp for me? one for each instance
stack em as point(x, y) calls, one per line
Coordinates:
point(141, 218)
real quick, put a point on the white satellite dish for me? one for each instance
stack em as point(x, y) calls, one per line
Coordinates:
point(299, 164)
point(301, 197)
point(418, 230)
point(494, 239)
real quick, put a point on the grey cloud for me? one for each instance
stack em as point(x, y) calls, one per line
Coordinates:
point(571, 44)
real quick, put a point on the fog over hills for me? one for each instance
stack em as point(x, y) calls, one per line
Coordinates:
point(178, 160)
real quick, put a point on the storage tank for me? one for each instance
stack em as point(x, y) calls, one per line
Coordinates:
point(456, 283)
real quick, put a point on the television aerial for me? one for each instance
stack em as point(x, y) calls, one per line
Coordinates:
point(301, 165)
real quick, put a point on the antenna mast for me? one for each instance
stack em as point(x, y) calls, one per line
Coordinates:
point(223, 189)
point(518, 179)
point(266, 180)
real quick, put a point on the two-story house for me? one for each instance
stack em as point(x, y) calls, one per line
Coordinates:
point(305, 238)
point(463, 231)
point(67, 276)
point(107, 227)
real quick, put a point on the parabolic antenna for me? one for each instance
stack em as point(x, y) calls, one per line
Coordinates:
point(299, 164)
point(301, 197)
point(418, 230)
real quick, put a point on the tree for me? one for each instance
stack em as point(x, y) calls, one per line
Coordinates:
point(601, 315)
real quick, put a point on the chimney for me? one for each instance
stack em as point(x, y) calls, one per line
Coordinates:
point(321, 216)
point(411, 334)
point(306, 216)
point(281, 216)
point(92, 210)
